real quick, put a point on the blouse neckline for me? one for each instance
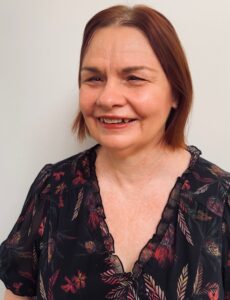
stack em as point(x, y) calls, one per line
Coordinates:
point(163, 225)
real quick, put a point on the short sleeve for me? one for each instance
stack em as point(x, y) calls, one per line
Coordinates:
point(226, 248)
point(19, 253)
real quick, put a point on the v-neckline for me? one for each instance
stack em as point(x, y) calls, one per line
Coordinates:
point(163, 224)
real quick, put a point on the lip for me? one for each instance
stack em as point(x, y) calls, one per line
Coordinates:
point(115, 125)
point(114, 117)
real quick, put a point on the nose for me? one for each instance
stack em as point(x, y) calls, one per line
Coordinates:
point(110, 95)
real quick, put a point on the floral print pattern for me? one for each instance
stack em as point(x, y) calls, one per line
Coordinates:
point(61, 247)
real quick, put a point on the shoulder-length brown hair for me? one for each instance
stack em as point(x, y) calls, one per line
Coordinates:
point(167, 47)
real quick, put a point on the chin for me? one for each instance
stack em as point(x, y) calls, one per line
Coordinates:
point(114, 143)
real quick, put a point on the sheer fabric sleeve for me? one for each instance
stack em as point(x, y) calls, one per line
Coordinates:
point(19, 253)
point(226, 248)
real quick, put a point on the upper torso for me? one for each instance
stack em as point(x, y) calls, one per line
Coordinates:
point(186, 258)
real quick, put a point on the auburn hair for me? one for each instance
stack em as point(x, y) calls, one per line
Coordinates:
point(167, 47)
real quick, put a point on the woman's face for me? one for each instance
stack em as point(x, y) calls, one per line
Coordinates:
point(125, 97)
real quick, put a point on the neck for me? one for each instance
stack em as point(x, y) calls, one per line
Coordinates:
point(132, 167)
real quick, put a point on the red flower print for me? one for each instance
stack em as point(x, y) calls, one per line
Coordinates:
point(213, 294)
point(69, 287)
point(60, 188)
point(58, 175)
point(93, 219)
point(163, 254)
point(85, 162)
point(146, 253)
point(186, 185)
point(16, 286)
point(60, 202)
point(42, 227)
point(213, 291)
point(79, 280)
point(228, 261)
point(75, 283)
point(78, 179)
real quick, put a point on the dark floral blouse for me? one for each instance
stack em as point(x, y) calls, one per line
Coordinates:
point(61, 248)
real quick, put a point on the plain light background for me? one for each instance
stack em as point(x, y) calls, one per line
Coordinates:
point(39, 53)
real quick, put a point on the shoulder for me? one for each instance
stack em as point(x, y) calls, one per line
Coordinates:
point(208, 169)
point(70, 171)
point(208, 183)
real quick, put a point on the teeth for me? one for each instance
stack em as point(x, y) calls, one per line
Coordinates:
point(114, 121)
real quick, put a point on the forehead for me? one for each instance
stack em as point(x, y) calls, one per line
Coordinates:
point(119, 44)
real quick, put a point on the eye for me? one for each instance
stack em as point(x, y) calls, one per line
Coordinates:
point(94, 79)
point(134, 78)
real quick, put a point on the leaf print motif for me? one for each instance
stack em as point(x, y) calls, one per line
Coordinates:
point(183, 207)
point(51, 246)
point(184, 228)
point(42, 288)
point(202, 189)
point(35, 258)
point(110, 277)
point(78, 204)
point(123, 282)
point(132, 295)
point(114, 263)
point(215, 206)
point(117, 293)
point(27, 275)
point(153, 291)
point(182, 283)
point(203, 179)
point(52, 282)
point(198, 280)
point(215, 170)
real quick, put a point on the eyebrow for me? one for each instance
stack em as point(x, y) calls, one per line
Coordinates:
point(126, 70)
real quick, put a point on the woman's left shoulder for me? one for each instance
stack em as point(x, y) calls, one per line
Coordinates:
point(207, 181)
point(204, 168)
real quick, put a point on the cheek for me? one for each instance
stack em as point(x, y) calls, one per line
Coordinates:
point(154, 105)
point(86, 102)
point(145, 102)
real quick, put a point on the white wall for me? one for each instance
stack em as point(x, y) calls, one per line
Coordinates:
point(39, 47)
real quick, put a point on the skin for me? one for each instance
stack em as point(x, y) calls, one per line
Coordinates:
point(121, 76)
point(10, 296)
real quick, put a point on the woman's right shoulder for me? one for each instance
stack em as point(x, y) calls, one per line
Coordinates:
point(71, 171)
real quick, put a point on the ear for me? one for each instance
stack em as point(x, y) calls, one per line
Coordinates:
point(174, 104)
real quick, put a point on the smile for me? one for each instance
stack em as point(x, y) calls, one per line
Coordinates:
point(115, 121)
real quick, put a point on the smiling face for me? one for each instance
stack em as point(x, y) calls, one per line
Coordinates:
point(125, 97)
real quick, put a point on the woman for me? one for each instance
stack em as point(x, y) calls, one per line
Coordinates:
point(140, 215)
